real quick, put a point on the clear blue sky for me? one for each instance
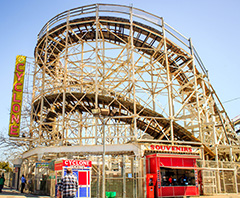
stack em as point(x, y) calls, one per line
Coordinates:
point(213, 25)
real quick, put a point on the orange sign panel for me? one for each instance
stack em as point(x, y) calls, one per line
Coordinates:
point(16, 106)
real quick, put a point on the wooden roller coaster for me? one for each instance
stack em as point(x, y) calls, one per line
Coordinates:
point(131, 62)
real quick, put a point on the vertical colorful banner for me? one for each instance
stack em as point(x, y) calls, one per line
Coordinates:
point(17, 93)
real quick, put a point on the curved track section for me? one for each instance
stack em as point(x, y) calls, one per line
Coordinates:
point(147, 74)
point(79, 28)
point(118, 113)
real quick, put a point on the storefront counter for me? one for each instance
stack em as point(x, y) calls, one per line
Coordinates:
point(173, 191)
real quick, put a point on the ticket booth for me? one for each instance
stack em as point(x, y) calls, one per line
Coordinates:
point(175, 169)
point(81, 169)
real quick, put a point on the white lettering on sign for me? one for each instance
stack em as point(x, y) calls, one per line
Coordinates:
point(85, 163)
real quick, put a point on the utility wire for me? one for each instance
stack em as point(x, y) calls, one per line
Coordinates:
point(231, 100)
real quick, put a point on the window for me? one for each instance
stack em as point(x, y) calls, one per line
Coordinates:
point(177, 177)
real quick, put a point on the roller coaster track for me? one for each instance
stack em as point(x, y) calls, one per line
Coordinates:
point(85, 103)
point(150, 43)
point(119, 25)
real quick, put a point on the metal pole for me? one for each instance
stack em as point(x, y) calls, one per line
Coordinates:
point(135, 177)
point(98, 178)
point(103, 159)
point(145, 177)
point(124, 176)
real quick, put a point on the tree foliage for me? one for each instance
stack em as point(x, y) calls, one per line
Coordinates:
point(5, 166)
point(10, 149)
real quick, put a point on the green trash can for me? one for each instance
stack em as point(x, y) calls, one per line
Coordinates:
point(110, 194)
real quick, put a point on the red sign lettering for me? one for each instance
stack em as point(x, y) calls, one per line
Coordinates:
point(19, 76)
point(13, 130)
point(14, 118)
point(15, 87)
point(20, 64)
point(16, 108)
point(14, 98)
point(171, 148)
point(85, 163)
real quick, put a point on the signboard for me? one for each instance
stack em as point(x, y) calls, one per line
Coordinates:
point(72, 163)
point(171, 148)
point(85, 163)
point(42, 165)
point(17, 92)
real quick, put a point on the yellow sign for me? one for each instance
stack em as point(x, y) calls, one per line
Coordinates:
point(17, 92)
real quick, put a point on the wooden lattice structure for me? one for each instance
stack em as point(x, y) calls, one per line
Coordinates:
point(133, 63)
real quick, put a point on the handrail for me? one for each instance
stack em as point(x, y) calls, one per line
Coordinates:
point(197, 57)
point(63, 15)
point(154, 19)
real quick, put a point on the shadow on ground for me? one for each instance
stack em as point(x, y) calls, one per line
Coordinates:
point(8, 192)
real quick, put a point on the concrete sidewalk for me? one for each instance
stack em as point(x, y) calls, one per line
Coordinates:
point(220, 196)
point(12, 193)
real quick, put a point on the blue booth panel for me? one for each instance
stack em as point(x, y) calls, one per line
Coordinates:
point(82, 192)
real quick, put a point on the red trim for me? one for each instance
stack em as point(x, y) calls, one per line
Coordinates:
point(179, 167)
point(178, 191)
point(173, 155)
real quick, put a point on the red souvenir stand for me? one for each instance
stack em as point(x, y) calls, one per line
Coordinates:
point(81, 169)
point(173, 171)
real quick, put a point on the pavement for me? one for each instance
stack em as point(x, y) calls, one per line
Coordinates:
point(219, 196)
point(12, 193)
